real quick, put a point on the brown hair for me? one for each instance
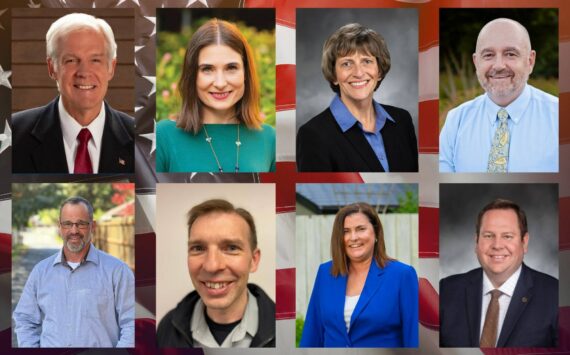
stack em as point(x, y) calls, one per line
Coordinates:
point(217, 32)
point(340, 261)
point(349, 39)
point(219, 205)
point(502, 204)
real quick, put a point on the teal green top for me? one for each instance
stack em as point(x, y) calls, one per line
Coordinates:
point(180, 151)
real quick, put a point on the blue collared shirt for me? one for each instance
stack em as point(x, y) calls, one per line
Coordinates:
point(346, 120)
point(465, 140)
point(91, 306)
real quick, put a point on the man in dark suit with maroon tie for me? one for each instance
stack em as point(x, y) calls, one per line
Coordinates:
point(77, 132)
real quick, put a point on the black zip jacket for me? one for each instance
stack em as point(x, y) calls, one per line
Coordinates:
point(174, 329)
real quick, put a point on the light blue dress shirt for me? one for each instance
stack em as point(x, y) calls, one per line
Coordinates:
point(465, 140)
point(91, 306)
point(346, 120)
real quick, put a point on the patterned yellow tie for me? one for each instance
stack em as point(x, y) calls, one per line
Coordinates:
point(499, 155)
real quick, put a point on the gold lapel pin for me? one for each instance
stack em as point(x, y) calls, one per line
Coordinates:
point(524, 300)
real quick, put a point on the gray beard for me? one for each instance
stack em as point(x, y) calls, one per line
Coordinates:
point(76, 248)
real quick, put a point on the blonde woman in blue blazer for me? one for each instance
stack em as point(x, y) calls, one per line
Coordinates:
point(362, 297)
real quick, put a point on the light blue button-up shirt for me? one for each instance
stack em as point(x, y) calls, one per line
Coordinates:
point(465, 140)
point(346, 120)
point(91, 306)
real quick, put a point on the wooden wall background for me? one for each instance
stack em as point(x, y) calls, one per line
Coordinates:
point(32, 87)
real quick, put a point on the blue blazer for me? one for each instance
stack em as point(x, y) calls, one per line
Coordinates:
point(386, 314)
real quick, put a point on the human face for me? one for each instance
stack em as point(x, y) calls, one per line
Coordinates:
point(220, 260)
point(503, 61)
point(220, 82)
point(82, 73)
point(357, 75)
point(77, 236)
point(359, 238)
point(500, 248)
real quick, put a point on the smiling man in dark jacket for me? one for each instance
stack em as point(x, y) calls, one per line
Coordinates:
point(224, 310)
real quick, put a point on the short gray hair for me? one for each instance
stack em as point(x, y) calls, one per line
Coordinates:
point(77, 200)
point(78, 21)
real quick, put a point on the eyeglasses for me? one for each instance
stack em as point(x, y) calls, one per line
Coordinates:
point(79, 225)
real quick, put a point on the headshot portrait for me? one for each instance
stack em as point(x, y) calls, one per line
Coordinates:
point(215, 90)
point(357, 90)
point(72, 100)
point(356, 253)
point(498, 265)
point(73, 282)
point(498, 90)
point(215, 265)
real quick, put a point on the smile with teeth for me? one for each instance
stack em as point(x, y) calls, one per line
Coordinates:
point(355, 245)
point(498, 257)
point(216, 285)
point(358, 84)
point(85, 87)
point(220, 95)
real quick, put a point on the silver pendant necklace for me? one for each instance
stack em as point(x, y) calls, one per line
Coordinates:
point(238, 144)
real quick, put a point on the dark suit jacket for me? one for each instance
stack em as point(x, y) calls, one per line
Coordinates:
point(531, 320)
point(37, 145)
point(386, 314)
point(322, 146)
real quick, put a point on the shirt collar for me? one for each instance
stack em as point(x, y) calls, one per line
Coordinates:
point(507, 288)
point(346, 120)
point(515, 108)
point(248, 326)
point(70, 127)
point(92, 256)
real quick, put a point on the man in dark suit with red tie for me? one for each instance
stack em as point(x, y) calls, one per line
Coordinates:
point(77, 132)
point(504, 303)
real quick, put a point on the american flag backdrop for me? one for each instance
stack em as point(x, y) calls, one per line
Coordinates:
point(286, 177)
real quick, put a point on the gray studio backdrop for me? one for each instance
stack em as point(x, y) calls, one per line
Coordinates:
point(459, 205)
point(399, 27)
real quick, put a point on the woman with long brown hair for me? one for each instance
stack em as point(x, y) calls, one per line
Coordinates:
point(219, 128)
point(362, 297)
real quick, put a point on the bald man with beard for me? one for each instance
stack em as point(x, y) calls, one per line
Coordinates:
point(513, 127)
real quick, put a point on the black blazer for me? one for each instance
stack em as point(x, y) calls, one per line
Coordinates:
point(323, 147)
point(37, 145)
point(531, 320)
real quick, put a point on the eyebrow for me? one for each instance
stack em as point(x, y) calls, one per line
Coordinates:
point(212, 65)
point(225, 240)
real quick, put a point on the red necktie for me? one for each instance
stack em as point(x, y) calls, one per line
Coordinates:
point(82, 159)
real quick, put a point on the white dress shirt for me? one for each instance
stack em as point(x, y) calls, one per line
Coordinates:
point(507, 289)
point(70, 129)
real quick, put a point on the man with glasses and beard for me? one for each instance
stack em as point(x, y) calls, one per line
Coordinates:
point(79, 297)
point(513, 126)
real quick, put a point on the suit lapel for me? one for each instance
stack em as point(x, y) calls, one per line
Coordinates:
point(337, 299)
point(521, 297)
point(356, 138)
point(49, 155)
point(473, 299)
point(371, 286)
point(115, 156)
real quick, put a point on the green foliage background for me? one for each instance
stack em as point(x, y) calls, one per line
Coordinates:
point(45, 199)
point(171, 48)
